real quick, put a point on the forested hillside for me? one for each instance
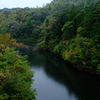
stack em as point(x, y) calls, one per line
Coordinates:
point(69, 28)
point(73, 32)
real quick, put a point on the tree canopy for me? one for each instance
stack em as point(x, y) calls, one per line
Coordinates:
point(15, 77)
point(69, 28)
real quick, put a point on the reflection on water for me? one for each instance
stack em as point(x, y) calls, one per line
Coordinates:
point(48, 89)
point(58, 80)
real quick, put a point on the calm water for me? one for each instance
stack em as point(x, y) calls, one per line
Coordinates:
point(58, 80)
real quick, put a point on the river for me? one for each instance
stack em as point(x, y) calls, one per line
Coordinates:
point(56, 79)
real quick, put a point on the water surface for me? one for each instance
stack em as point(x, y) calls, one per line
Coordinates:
point(56, 79)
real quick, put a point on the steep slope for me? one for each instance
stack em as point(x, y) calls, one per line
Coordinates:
point(73, 32)
point(69, 28)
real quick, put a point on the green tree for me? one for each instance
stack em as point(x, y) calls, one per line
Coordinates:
point(15, 77)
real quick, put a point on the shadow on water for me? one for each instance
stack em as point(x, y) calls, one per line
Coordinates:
point(85, 86)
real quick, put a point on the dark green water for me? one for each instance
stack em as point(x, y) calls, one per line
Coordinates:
point(56, 79)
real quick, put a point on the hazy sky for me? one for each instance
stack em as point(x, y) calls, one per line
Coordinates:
point(22, 3)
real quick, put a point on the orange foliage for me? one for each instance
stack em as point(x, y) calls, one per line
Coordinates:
point(6, 41)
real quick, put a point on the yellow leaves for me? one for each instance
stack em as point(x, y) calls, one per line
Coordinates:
point(6, 41)
point(1, 46)
point(67, 55)
point(4, 38)
point(19, 44)
point(1, 97)
point(1, 74)
point(12, 41)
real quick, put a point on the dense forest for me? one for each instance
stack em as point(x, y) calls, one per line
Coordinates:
point(15, 77)
point(68, 28)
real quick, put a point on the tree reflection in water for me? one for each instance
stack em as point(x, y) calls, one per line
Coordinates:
point(85, 86)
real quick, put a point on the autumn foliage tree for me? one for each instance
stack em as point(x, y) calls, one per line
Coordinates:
point(7, 41)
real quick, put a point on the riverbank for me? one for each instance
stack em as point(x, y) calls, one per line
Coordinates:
point(78, 65)
point(55, 76)
point(75, 40)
